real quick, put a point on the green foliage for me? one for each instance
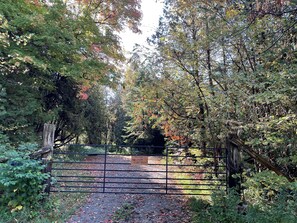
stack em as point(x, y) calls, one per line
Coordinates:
point(261, 188)
point(224, 209)
point(78, 152)
point(140, 102)
point(3, 138)
point(21, 178)
point(221, 70)
point(38, 45)
point(67, 107)
point(57, 208)
point(117, 118)
point(229, 208)
point(49, 51)
point(95, 115)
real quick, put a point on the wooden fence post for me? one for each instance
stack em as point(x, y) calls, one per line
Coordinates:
point(48, 146)
point(234, 165)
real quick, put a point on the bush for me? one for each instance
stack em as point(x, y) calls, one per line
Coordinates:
point(229, 208)
point(21, 179)
point(262, 188)
point(224, 208)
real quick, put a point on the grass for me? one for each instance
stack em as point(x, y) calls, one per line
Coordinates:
point(123, 213)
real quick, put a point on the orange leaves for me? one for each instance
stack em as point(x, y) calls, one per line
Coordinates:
point(173, 135)
point(82, 95)
point(84, 1)
point(96, 48)
point(115, 13)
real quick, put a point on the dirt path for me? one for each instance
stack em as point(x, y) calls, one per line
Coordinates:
point(133, 208)
point(107, 208)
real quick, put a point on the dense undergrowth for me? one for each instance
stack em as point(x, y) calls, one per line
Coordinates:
point(56, 208)
point(262, 201)
point(21, 185)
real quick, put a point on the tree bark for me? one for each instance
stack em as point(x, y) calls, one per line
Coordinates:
point(48, 145)
point(260, 159)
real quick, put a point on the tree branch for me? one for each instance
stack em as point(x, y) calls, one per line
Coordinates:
point(262, 160)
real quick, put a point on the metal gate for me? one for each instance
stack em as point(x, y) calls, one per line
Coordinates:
point(138, 170)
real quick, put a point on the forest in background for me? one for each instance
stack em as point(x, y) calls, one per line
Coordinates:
point(58, 62)
point(214, 71)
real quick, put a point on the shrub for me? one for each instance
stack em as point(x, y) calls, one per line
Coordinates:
point(224, 208)
point(229, 208)
point(21, 179)
point(263, 187)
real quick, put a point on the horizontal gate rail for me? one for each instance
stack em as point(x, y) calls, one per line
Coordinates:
point(131, 154)
point(123, 192)
point(82, 162)
point(138, 188)
point(177, 165)
point(197, 156)
point(144, 178)
point(149, 178)
point(119, 182)
point(141, 171)
point(103, 154)
point(140, 183)
point(78, 181)
point(86, 162)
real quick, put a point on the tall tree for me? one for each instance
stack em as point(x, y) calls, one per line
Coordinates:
point(227, 70)
point(43, 46)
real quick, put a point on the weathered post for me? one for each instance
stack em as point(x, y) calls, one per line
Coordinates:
point(234, 165)
point(47, 151)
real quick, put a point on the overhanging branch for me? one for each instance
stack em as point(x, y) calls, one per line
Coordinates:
point(262, 160)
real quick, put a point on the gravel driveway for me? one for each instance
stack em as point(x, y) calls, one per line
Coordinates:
point(103, 208)
point(133, 208)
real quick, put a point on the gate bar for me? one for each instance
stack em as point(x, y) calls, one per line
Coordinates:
point(128, 163)
point(124, 192)
point(142, 171)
